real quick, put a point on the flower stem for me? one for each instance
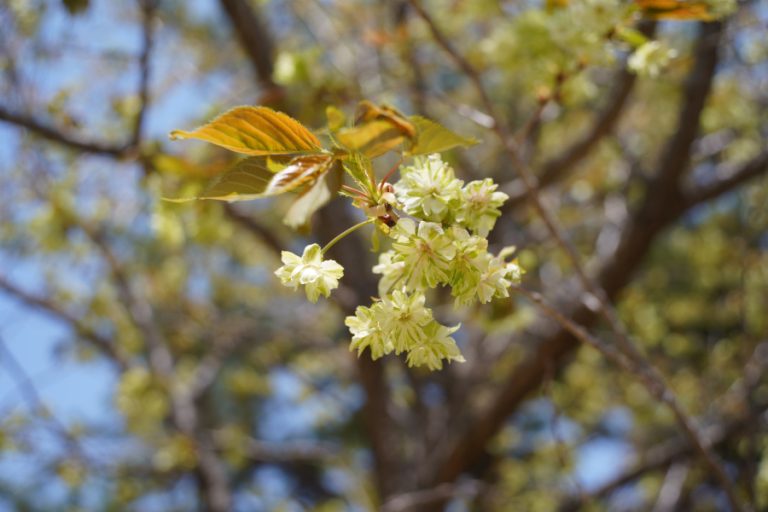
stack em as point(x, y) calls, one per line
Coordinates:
point(345, 233)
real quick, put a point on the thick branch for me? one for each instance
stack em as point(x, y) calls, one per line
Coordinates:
point(676, 156)
point(651, 219)
point(254, 39)
point(378, 423)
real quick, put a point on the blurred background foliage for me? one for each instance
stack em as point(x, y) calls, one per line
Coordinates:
point(219, 389)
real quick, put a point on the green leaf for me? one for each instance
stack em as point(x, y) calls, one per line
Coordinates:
point(248, 179)
point(367, 112)
point(314, 198)
point(632, 36)
point(359, 167)
point(336, 118)
point(432, 137)
point(260, 176)
point(255, 131)
point(372, 139)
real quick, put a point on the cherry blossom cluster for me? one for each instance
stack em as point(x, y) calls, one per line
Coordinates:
point(440, 240)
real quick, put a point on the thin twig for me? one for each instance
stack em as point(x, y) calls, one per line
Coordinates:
point(147, 14)
point(418, 500)
point(59, 137)
point(102, 344)
point(35, 403)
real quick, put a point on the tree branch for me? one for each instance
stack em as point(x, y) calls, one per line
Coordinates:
point(210, 471)
point(662, 455)
point(256, 43)
point(672, 165)
point(556, 168)
point(102, 344)
point(418, 500)
point(59, 137)
point(35, 402)
point(148, 14)
point(676, 156)
point(260, 231)
point(750, 170)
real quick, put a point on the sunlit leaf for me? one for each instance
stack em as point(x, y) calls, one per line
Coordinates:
point(373, 138)
point(314, 198)
point(255, 131)
point(367, 111)
point(676, 9)
point(432, 137)
point(172, 164)
point(302, 170)
point(248, 179)
point(632, 36)
point(262, 176)
point(359, 167)
point(552, 5)
point(336, 118)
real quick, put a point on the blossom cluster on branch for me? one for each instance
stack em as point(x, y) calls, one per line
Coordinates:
point(439, 241)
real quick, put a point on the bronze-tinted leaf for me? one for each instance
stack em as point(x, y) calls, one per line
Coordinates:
point(248, 179)
point(314, 198)
point(373, 138)
point(255, 131)
point(336, 118)
point(676, 9)
point(367, 112)
point(302, 170)
point(432, 137)
point(263, 176)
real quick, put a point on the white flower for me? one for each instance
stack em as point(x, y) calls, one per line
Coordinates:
point(428, 189)
point(499, 276)
point(651, 58)
point(426, 252)
point(403, 318)
point(318, 276)
point(467, 264)
point(366, 331)
point(391, 271)
point(480, 206)
point(435, 345)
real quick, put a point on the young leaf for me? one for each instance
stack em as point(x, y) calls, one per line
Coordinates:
point(367, 112)
point(314, 198)
point(336, 118)
point(432, 137)
point(248, 179)
point(372, 139)
point(302, 170)
point(676, 9)
point(261, 176)
point(255, 131)
point(359, 167)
